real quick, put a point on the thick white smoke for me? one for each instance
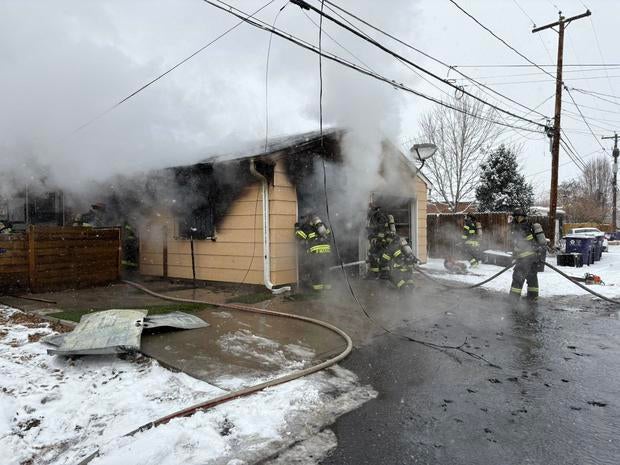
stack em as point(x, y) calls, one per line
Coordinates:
point(68, 61)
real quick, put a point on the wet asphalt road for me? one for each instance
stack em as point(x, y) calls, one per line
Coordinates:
point(555, 399)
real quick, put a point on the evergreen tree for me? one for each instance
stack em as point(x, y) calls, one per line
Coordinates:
point(502, 187)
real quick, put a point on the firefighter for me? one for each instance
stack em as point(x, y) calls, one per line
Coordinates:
point(93, 217)
point(470, 243)
point(528, 248)
point(315, 238)
point(381, 230)
point(400, 258)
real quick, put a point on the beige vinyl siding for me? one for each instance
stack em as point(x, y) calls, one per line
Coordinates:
point(237, 254)
point(421, 193)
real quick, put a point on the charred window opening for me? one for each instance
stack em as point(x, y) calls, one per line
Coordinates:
point(205, 192)
point(400, 209)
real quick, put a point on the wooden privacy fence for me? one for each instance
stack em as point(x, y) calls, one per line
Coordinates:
point(56, 258)
point(444, 232)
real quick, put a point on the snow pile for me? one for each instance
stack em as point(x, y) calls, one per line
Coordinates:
point(56, 410)
point(550, 283)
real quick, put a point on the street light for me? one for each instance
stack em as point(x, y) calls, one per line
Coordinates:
point(423, 151)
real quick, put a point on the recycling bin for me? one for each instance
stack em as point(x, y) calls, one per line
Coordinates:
point(570, 259)
point(582, 244)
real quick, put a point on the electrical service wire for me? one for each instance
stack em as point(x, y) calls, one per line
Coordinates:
point(411, 47)
point(500, 39)
point(391, 52)
point(332, 57)
point(154, 80)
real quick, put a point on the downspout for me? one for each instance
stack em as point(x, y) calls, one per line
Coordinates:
point(266, 241)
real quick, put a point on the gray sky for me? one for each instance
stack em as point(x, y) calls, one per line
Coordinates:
point(67, 61)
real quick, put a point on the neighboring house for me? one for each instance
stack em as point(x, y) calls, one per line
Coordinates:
point(234, 242)
point(443, 207)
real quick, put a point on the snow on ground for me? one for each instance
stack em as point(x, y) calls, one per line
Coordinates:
point(550, 283)
point(56, 410)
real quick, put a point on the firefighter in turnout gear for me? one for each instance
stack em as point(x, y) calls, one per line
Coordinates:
point(470, 242)
point(528, 249)
point(315, 238)
point(381, 230)
point(399, 257)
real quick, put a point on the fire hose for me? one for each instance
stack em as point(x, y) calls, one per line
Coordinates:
point(560, 272)
point(242, 392)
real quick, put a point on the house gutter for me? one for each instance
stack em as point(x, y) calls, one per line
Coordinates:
point(266, 240)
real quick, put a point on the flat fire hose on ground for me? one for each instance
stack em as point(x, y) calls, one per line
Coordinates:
point(570, 278)
point(471, 286)
point(242, 392)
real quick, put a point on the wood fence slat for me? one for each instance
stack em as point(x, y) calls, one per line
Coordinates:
point(57, 258)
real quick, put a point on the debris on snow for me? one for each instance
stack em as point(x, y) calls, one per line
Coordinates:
point(60, 410)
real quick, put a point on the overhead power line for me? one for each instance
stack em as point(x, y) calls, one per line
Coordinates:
point(523, 65)
point(153, 81)
point(223, 6)
point(584, 119)
point(500, 39)
point(331, 4)
point(305, 5)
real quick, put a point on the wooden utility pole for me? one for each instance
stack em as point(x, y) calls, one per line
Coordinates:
point(615, 153)
point(555, 145)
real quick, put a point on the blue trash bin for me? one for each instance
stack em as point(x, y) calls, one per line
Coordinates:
point(599, 245)
point(579, 243)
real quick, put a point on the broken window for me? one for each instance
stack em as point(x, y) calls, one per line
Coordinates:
point(198, 224)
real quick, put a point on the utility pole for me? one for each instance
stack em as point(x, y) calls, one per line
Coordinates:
point(615, 154)
point(555, 145)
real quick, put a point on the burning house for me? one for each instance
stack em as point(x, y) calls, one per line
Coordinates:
point(232, 218)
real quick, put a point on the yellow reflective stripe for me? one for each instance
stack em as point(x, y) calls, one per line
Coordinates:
point(466, 227)
point(318, 287)
point(532, 289)
point(472, 231)
point(526, 254)
point(397, 253)
point(529, 238)
point(464, 237)
point(321, 248)
point(301, 234)
point(400, 283)
point(386, 256)
point(373, 269)
point(516, 290)
point(312, 235)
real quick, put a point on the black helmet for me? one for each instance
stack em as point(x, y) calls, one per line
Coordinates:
point(518, 212)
